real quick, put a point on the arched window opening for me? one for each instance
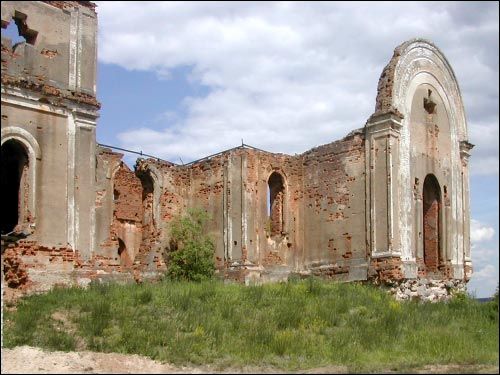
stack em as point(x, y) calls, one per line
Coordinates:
point(148, 204)
point(15, 190)
point(275, 203)
point(431, 216)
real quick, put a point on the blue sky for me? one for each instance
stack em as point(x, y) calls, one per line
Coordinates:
point(182, 80)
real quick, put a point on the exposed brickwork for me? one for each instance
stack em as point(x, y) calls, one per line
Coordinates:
point(383, 102)
point(48, 53)
point(272, 258)
point(333, 181)
point(431, 226)
point(25, 261)
point(52, 94)
point(127, 195)
point(467, 272)
point(15, 274)
point(331, 271)
point(385, 270)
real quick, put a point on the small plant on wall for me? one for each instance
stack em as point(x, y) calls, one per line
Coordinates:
point(191, 252)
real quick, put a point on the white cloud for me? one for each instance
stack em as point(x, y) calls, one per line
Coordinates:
point(488, 272)
point(480, 232)
point(484, 278)
point(482, 255)
point(484, 281)
point(484, 156)
point(484, 252)
point(485, 165)
point(289, 76)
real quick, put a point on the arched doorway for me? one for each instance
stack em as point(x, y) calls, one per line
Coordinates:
point(15, 163)
point(431, 216)
point(275, 203)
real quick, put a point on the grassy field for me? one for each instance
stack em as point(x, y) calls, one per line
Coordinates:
point(296, 325)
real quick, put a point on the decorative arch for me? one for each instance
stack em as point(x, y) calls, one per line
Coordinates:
point(34, 155)
point(411, 58)
point(23, 136)
point(152, 183)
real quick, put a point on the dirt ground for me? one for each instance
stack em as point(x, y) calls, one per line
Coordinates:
point(30, 360)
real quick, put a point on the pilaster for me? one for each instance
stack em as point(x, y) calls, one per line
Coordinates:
point(465, 148)
point(382, 169)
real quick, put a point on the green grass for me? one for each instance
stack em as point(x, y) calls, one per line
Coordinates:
point(296, 325)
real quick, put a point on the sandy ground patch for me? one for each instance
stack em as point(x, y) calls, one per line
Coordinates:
point(30, 360)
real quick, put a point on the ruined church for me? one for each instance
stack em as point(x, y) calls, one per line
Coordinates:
point(388, 203)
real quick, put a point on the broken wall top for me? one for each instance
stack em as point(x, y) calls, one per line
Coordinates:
point(51, 60)
point(412, 58)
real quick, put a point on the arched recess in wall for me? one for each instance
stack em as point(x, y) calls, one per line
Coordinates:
point(125, 259)
point(19, 158)
point(432, 210)
point(151, 192)
point(276, 204)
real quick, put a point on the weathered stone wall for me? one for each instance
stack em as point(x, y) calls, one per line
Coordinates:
point(52, 59)
point(320, 207)
point(334, 209)
point(49, 111)
point(125, 233)
point(272, 214)
point(108, 163)
point(42, 130)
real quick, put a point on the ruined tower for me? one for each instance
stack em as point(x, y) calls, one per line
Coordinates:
point(49, 114)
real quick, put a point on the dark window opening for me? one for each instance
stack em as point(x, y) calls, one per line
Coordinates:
point(429, 104)
point(275, 202)
point(432, 230)
point(14, 175)
point(29, 34)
